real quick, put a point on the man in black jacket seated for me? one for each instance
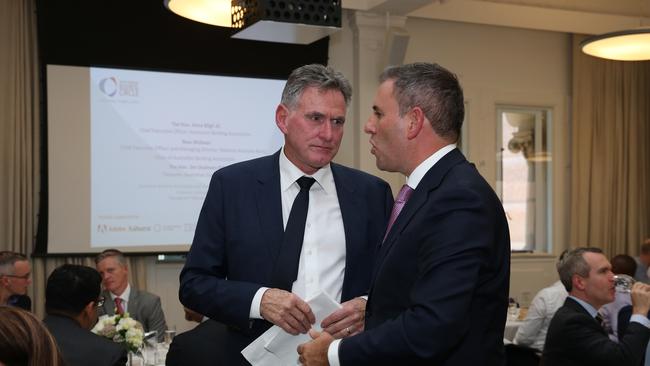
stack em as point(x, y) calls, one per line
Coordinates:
point(198, 346)
point(575, 335)
point(71, 301)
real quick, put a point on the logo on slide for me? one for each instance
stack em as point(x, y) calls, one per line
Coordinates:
point(108, 86)
point(111, 87)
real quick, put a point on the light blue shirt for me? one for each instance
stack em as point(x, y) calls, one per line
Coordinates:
point(637, 318)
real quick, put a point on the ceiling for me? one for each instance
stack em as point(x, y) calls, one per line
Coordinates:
point(571, 16)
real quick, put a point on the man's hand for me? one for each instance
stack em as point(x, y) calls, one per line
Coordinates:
point(287, 311)
point(314, 353)
point(348, 320)
point(640, 298)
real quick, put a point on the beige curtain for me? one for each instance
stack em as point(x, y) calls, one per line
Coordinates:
point(19, 118)
point(610, 200)
point(20, 148)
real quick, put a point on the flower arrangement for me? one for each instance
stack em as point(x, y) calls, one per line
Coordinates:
point(121, 329)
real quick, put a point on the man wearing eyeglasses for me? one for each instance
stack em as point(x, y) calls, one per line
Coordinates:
point(15, 277)
point(72, 297)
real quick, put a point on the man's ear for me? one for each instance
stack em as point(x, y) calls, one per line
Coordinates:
point(578, 282)
point(281, 114)
point(414, 122)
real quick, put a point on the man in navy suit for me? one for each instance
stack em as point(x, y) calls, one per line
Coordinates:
point(439, 291)
point(230, 269)
point(575, 336)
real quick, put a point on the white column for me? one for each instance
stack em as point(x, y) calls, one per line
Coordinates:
point(369, 32)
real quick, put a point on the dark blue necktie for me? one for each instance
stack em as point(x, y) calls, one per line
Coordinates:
point(286, 266)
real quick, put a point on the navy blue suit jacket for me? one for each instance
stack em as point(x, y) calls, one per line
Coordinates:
point(575, 338)
point(439, 293)
point(239, 233)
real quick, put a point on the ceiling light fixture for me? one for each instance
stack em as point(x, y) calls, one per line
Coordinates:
point(214, 12)
point(626, 45)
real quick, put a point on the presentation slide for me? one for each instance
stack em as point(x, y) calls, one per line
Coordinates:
point(131, 152)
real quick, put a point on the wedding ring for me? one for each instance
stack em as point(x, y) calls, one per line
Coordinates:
point(348, 330)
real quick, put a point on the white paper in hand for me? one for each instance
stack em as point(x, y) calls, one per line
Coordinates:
point(277, 347)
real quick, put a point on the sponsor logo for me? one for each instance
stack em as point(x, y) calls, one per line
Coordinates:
point(108, 86)
point(112, 87)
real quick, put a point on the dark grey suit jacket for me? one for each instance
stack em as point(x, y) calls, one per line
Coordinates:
point(575, 338)
point(143, 307)
point(81, 347)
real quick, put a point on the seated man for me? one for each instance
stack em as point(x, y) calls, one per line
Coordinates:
point(622, 264)
point(198, 346)
point(575, 335)
point(532, 333)
point(15, 276)
point(643, 261)
point(122, 298)
point(71, 301)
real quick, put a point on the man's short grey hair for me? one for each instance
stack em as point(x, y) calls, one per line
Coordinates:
point(435, 90)
point(121, 259)
point(323, 78)
point(7, 262)
point(573, 263)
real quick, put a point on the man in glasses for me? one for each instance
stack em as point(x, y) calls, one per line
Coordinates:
point(72, 297)
point(15, 277)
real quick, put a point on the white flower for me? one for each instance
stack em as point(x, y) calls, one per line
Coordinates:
point(121, 329)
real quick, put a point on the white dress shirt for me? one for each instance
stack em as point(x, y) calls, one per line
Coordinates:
point(412, 181)
point(532, 333)
point(322, 258)
point(124, 296)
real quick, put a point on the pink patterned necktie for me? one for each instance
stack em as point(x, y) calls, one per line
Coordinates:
point(118, 306)
point(403, 196)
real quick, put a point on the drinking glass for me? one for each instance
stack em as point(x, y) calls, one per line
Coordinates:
point(169, 335)
point(623, 283)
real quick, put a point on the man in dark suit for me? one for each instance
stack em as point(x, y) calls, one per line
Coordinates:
point(243, 270)
point(15, 277)
point(439, 292)
point(575, 335)
point(71, 301)
point(141, 305)
point(197, 347)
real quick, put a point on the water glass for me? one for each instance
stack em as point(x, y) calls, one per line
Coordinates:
point(623, 283)
point(169, 335)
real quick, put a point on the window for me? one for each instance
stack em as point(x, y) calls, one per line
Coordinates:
point(524, 175)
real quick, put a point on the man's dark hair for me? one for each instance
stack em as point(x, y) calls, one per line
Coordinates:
point(70, 288)
point(624, 264)
point(435, 90)
point(574, 263)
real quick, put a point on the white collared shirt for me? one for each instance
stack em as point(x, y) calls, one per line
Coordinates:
point(421, 170)
point(412, 181)
point(322, 259)
point(124, 296)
